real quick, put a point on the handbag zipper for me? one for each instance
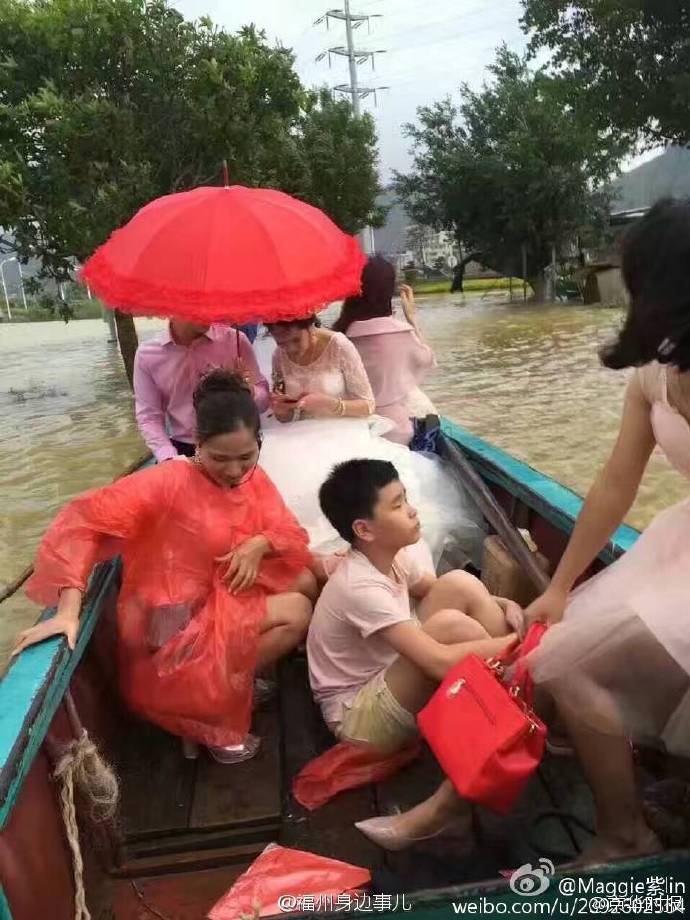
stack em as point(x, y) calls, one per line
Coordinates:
point(462, 684)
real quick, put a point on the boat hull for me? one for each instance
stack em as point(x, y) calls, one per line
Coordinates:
point(186, 858)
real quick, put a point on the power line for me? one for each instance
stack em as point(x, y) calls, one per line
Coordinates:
point(447, 38)
point(402, 77)
point(447, 18)
point(441, 26)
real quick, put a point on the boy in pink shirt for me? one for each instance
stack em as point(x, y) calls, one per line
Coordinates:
point(373, 664)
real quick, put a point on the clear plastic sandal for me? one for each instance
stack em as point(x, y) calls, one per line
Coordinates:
point(236, 753)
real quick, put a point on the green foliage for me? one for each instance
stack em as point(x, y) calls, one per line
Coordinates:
point(46, 307)
point(628, 63)
point(341, 161)
point(510, 165)
point(470, 286)
point(106, 104)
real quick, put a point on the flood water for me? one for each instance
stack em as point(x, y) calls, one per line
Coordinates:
point(527, 378)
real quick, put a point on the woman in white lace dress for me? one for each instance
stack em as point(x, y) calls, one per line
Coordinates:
point(322, 406)
point(317, 374)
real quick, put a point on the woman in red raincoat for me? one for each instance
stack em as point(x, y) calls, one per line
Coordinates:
point(214, 575)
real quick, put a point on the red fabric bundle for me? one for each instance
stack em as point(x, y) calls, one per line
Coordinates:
point(346, 766)
point(279, 881)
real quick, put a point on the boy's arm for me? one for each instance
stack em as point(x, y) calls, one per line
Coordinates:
point(434, 658)
point(422, 586)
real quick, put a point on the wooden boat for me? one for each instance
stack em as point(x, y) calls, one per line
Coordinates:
point(186, 829)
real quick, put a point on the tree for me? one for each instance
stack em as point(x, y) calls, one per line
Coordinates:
point(509, 167)
point(341, 162)
point(106, 104)
point(628, 62)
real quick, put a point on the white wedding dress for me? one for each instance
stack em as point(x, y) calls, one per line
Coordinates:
point(298, 456)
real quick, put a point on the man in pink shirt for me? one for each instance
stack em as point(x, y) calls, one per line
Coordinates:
point(166, 370)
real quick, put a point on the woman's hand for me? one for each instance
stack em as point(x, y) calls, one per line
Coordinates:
point(64, 623)
point(243, 564)
point(408, 304)
point(317, 404)
point(283, 407)
point(548, 608)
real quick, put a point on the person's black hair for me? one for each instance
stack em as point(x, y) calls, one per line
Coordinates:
point(351, 491)
point(375, 299)
point(223, 402)
point(305, 323)
point(656, 271)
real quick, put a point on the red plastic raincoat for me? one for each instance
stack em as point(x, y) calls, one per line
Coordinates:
point(186, 648)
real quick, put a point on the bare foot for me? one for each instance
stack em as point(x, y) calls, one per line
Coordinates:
point(604, 848)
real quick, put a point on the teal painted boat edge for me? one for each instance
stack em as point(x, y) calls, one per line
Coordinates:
point(31, 691)
point(500, 900)
point(555, 502)
point(5, 912)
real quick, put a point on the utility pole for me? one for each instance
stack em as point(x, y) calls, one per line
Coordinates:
point(4, 286)
point(354, 85)
point(355, 57)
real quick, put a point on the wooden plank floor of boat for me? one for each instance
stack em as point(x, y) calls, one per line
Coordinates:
point(178, 813)
point(191, 827)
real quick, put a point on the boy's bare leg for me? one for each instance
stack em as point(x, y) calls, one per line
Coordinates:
point(411, 686)
point(459, 590)
point(444, 810)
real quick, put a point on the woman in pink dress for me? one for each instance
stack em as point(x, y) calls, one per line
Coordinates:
point(617, 655)
point(394, 354)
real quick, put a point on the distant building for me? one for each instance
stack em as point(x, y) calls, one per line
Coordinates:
point(10, 269)
point(391, 239)
point(410, 245)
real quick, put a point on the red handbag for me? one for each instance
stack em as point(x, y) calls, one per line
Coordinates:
point(481, 728)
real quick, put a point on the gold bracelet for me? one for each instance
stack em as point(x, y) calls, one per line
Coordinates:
point(340, 408)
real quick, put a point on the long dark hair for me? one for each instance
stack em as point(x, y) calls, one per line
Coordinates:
point(656, 271)
point(375, 299)
point(223, 402)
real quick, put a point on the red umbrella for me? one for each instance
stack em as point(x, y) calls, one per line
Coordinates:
point(229, 254)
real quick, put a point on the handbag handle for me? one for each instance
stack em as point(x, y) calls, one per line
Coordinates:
point(515, 653)
point(521, 647)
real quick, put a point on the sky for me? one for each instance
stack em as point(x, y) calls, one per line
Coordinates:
point(429, 49)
